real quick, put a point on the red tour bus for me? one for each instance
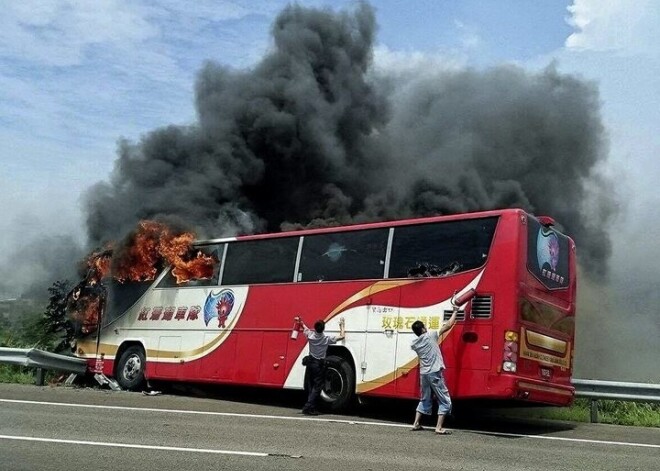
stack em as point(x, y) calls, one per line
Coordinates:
point(514, 339)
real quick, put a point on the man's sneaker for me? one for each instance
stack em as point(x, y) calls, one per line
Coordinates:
point(309, 412)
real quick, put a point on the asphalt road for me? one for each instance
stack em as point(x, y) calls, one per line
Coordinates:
point(58, 428)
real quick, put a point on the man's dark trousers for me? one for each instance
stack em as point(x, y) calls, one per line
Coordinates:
point(313, 382)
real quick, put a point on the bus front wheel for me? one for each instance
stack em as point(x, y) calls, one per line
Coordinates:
point(339, 384)
point(130, 368)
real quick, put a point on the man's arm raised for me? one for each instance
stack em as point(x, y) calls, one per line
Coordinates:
point(342, 332)
point(450, 323)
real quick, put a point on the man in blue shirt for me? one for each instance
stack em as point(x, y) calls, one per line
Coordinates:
point(431, 365)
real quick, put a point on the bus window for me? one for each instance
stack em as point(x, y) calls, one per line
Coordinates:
point(121, 296)
point(344, 256)
point(215, 251)
point(548, 255)
point(442, 248)
point(260, 261)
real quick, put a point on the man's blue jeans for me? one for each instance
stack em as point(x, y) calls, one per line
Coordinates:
point(434, 384)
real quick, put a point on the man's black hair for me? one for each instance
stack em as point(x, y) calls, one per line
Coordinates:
point(319, 326)
point(418, 328)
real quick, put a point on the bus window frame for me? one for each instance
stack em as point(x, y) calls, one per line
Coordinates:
point(166, 272)
point(497, 219)
point(224, 262)
point(301, 244)
point(344, 280)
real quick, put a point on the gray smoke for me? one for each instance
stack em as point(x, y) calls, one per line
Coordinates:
point(315, 135)
point(34, 264)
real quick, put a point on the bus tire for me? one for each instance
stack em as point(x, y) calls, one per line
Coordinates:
point(130, 368)
point(338, 390)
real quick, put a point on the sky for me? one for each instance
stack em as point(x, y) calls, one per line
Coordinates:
point(76, 77)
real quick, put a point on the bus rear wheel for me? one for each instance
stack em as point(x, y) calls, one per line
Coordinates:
point(338, 389)
point(130, 368)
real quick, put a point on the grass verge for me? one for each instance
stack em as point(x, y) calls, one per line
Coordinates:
point(16, 374)
point(609, 412)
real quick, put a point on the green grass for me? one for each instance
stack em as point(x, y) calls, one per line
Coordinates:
point(16, 374)
point(609, 412)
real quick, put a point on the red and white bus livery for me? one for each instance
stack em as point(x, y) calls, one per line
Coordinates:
point(514, 339)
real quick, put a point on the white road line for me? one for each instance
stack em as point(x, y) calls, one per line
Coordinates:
point(220, 414)
point(566, 439)
point(317, 419)
point(131, 445)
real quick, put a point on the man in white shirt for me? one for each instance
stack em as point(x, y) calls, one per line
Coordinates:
point(431, 366)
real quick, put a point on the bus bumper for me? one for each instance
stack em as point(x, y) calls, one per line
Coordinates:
point(542, 392)
point(529, 390)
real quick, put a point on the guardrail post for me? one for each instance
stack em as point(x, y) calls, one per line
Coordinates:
point(593, 403)
point(39, 377)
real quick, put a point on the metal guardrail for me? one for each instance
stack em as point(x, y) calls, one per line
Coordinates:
point(596, 390)
point(615, 390)
point(31, 357)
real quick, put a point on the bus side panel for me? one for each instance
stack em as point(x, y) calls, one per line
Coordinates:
point(273, 308)
point(209, 368)
point(273, 358)
point(378, 362)
point(168, 343)
point(427, 300)
point(258, 349)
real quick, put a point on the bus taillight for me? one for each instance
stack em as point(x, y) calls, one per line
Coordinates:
point(510, 357)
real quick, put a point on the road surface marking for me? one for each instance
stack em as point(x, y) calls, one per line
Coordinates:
point(317, 419)
point(145, 447)
point(565, 439)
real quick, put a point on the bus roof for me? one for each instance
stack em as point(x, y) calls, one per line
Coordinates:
point(371, 225)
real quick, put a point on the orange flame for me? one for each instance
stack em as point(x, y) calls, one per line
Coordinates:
point(98, 264)
point(139, 259)
point(83, 307)
point(154, 243)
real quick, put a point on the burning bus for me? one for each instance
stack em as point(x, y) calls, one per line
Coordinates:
point(170, 308)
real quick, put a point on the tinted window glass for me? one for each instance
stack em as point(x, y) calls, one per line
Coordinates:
point(441, 248)
point(121, 296)
point(343, 256)
point(260, 261)
point(214, 251)
point(547, 255)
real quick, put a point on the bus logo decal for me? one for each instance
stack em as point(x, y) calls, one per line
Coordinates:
point(219, 304)
point(547, 249)
point(548, 256)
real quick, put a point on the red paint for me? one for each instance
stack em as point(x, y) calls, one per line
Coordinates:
point(260, 351)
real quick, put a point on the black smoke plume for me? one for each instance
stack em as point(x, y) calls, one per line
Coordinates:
point(314, 135)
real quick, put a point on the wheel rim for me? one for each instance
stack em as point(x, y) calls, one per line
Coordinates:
point(133, 367)
point(332, 386)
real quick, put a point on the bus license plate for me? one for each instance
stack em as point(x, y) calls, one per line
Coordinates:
point(546, 373)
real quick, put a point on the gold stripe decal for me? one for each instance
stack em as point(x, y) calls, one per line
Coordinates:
point(378, 382)
point(366, 386)
point(87, 349)
point(369, 290)
point(162, 354)
point(544, 341)
point(375, 383)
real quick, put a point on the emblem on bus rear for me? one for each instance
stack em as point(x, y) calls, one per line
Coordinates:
point(547, 249)
point(219, 304)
